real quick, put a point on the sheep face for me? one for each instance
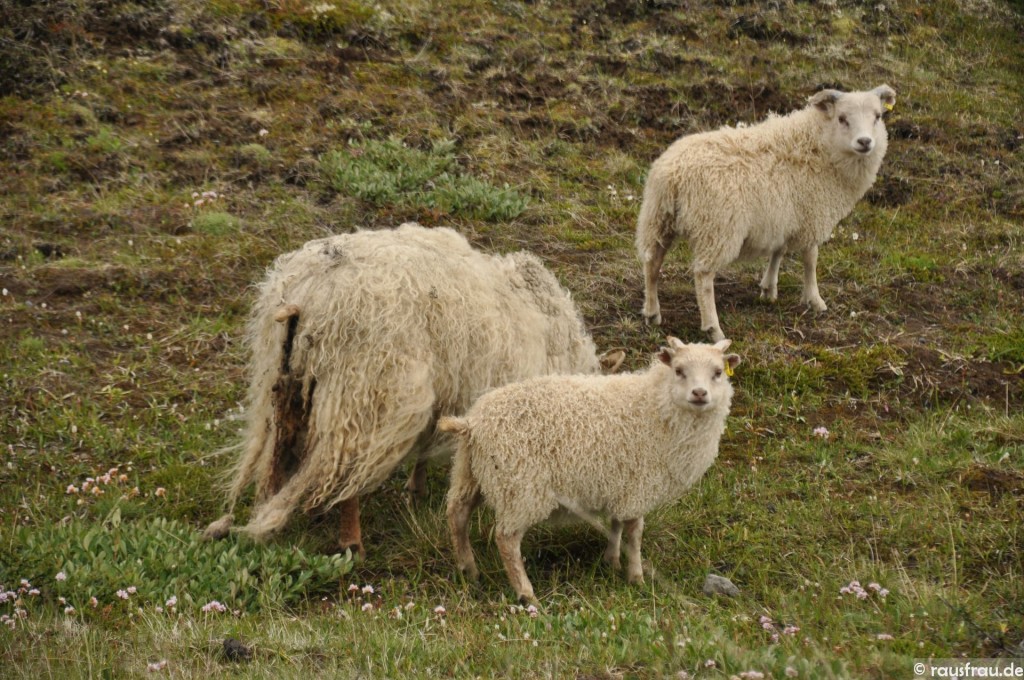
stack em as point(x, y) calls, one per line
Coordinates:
point(701, 379)
point(854, 119)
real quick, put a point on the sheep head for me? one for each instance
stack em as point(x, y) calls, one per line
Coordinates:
point(701, 373)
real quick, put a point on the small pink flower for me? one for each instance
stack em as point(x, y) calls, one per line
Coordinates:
point(93, 602)
point(353, 588)
point(132, 590)
point(710, 663)
point(33, 592)
point(214, 606)
point(440, 610)
point(367, 590)
point(791, 672)
point(123, 594)
point(160, 492)
point(884, 636)
point(790, 630)
point(264, 132)
point(71, 489)
point(69, 610)
point(532, 611)
point(156, 667)
point(61, 576)
point(171, 601)
point(821, 432)
point(367, 607)
point(752, 675)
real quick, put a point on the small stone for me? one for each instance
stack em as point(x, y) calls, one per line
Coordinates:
point(236, 651)
point(719, 585)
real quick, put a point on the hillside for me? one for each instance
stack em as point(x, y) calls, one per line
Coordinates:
point(157, 155)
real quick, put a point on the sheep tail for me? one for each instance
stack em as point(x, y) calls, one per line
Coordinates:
point(220, 528)
point(656, 223)
point(456, 426)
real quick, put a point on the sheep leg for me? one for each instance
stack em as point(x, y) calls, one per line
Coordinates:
point(614, 550)
point(460, 507)
point(634, 529)
point(653, 260)
point(810, 295)
point(770, 280)
point(416, 487)
point(704, 282)
point(351, 533)
point(509, 548)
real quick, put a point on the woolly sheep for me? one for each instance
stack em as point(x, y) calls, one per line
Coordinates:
point(615, 445)
point(759, 191)
point(359, 341)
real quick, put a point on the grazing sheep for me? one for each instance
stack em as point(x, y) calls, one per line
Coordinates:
point(360, 341)
point(759, 191)
point(616, 445)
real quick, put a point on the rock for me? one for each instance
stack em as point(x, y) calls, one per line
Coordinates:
point(236, 651)
point(719, 585)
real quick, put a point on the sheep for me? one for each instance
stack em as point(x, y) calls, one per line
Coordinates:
point(359, 341)
point(759, 191)
point(617, 445)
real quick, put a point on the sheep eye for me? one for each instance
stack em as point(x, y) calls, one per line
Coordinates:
point(842, 119)
point(681, 373)
point(718, 373)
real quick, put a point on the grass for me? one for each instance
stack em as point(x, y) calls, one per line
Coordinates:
point(157, 157)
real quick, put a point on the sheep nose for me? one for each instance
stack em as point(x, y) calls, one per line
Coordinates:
point(699, 393)
point(865, 143)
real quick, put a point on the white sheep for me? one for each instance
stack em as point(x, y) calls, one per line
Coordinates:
point(759, 191)
point(359, 341)
point(618, 445)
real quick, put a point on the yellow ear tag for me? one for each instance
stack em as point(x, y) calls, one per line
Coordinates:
point(728, 369)
point(890, 107)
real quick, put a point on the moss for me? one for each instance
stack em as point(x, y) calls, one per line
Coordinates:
point(216, 223)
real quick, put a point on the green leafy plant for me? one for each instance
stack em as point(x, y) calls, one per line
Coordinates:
point(391, 173)
point(162, 559)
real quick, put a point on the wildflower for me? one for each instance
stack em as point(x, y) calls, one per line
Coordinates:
point(69, 610)
point(710, 663)
point(123, 594)
point(353, 588)
point(61, 576)
point(62, 600)
point(160, 492)
point(171, 601)
point(410, 605)
point(532, 611)
point(396, 613)
point(752, 675)
point(71, 489)
point(132, 590)
point(791, 672)
point(157, 666)
point(214, 606)
point(440, 610)
point(883, 592)
point(367, 607)
point(93, 602)
point(97, 491)
point(124, 478)
point(884, 636)
point(367, 590)
point(104, 478)
point(33, 592)
point(821, 432)
point(766, 623)
point(158, 609)
point(264, 132)
point(790, 630)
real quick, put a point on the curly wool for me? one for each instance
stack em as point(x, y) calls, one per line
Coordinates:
point(614, 445)
point(393, 328)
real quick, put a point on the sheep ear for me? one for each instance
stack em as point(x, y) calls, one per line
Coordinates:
point(732, 361)
point(611, 361)
point(675, 343)
point(722, 345)
point(826, 100)
point(887, 95)
point(665, 355)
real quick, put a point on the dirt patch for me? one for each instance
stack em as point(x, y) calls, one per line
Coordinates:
point(749, 102)
point(996, 482)
point(759, 27)
point(891, 191)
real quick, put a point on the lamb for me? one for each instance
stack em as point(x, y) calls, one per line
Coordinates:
point(617, 445)
point(740, 193)
point(359, 341)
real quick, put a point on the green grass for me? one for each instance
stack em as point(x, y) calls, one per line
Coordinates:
point(522, 125)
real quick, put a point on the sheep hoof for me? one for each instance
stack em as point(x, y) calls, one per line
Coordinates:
point(219, 529)
point(769, 295)
point(613, 562)
point(470, 573)
point(636, 579)
point(528, 599)
point(357, 551)
point(653, 319)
